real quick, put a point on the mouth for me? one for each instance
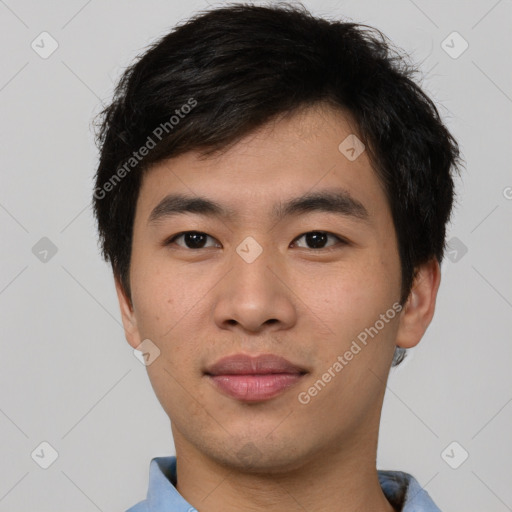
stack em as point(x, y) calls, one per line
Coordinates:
point(254, 379)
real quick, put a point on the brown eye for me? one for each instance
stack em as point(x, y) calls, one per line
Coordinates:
point(192, 239)
point(318, 239)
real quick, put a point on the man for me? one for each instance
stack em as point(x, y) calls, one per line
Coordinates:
point(272, 194)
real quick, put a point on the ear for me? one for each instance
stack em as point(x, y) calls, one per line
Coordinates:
point(419, 308)
point(131, 331)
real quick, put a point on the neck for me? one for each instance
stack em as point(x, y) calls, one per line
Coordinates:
point(344, 480)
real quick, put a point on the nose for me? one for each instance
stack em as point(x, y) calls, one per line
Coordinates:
point(256, 295)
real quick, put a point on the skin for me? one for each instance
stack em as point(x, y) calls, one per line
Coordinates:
point(198, 305)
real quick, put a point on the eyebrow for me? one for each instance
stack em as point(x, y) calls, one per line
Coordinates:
point(337, 201)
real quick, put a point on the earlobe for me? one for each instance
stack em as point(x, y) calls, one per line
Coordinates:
point(420, 306)
point(128, 316)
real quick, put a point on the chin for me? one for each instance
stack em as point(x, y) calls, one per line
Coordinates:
point(262, 456)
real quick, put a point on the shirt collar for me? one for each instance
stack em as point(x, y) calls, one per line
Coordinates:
point(401, 489)
point(405, 493)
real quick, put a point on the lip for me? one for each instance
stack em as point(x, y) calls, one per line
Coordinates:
point(254, 378)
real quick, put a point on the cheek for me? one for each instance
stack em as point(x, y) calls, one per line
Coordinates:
point(349, 301)
point(167, 304)
point(153, 302)
point(158, 298)
point(352, 295)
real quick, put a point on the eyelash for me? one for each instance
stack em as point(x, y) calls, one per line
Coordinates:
point(171, 240)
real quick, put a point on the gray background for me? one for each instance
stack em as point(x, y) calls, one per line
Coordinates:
point(67, 374)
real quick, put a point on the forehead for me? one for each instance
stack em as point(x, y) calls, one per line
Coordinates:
point(303, 152)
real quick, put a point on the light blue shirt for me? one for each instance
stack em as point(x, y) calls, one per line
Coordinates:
point(401, 489)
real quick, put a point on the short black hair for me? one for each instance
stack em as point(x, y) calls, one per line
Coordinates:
point(227, 71)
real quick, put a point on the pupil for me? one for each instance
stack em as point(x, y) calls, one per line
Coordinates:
point(194, 237)
point(314, 237)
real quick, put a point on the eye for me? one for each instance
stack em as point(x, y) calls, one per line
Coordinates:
point(318, 239)
point(197, 240)
point(192, 239)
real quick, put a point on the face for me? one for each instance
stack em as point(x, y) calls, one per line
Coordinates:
point(303, 285)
